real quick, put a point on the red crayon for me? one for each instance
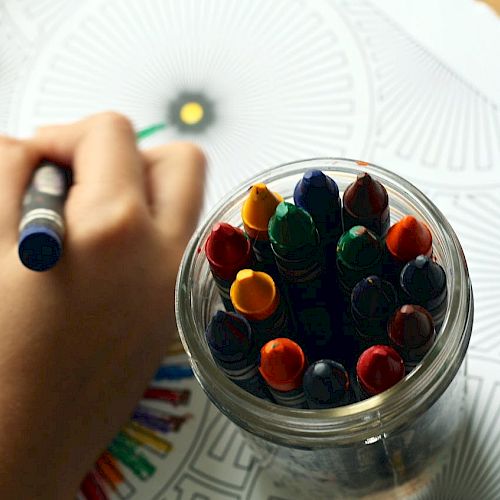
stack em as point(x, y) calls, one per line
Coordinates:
point(411, 331)
point(175, 397)
point(228, 251)
point(378, 368)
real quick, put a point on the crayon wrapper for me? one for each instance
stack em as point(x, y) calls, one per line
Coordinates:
point(224, 287)
point(300, 268)
point(262, 251)
point(44, 199)
point(274, 326)
point(292, 399)
point(349, 277)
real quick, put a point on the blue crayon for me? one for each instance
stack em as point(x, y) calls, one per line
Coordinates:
point(173, 372)
point(423, 282)
point(327, 385)
point(373, 301)
point(230, 340)
point(318, 194)
point(41, 230)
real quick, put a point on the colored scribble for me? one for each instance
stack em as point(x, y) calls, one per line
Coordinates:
point(173, 396)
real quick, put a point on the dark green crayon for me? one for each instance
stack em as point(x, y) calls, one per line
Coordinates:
point(359, 254)
point(295, 244)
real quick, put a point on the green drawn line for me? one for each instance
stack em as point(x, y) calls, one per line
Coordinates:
point(149, 131)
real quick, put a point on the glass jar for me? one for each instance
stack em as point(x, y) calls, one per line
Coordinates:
point(388, 446)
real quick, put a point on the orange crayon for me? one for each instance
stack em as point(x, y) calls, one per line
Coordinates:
point(282, 366)
point(406, 240)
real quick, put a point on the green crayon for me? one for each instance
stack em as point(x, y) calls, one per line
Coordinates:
point(359, 254)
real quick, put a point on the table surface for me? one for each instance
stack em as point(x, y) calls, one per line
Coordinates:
point(412, 86)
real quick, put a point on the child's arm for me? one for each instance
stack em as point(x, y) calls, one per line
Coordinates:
point(79, 342)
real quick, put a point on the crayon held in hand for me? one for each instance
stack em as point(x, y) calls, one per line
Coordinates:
point(282, 365)
point(366, 203)
point(327, 385)
point(231, 343)
point(412, 333)
point(378, 368)
point(41, 230)
point(228, 251)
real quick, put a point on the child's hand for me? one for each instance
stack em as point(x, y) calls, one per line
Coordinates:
point(78, 343)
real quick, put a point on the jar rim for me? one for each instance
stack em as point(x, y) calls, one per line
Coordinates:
point(386, 411)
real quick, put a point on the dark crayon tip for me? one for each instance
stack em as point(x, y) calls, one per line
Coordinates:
point(291, 228)
point(373, 297)
point(408, 238)
point(282, 364)
point(411, 327)
point(423, 282)
point(365, 196)
point(40, 247)
point(366, 203)
point(326, 385)
point(228, 250)
point(315, 192)
point(379, 368)
point(229, 336)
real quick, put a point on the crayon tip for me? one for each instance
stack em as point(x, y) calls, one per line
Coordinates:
point(257, 209)
point(359, 248)
point(254, 294)
point(409, 238)
point(318, 194)
point(291, 228)
point(411, 327)
point(282, 364)
point(379, 368)
point(365, 196)
point(227, 250)
point(423, 280)
point(326, 383)
point(315, 178)
point(229, 335)
point(373, 297)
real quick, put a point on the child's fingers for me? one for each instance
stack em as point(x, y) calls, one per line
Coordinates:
point(175, 181)
point(17, 162)
point(102, 151)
